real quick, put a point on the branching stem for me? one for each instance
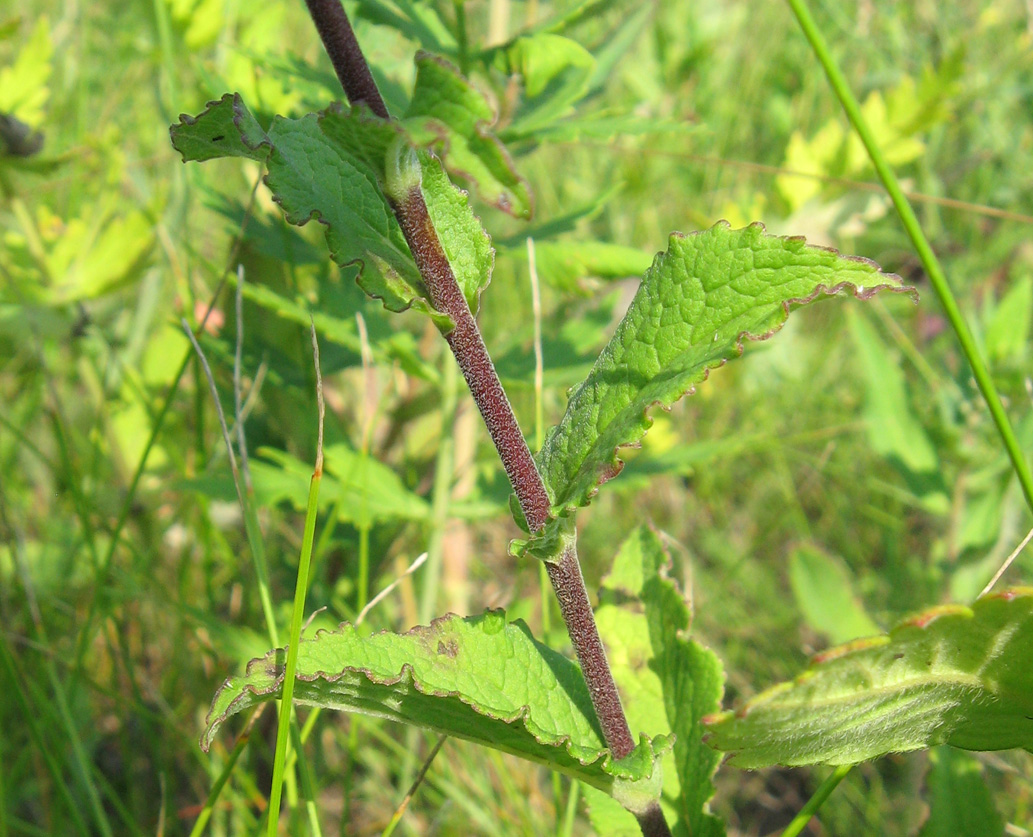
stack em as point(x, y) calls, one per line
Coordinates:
point(468, 347)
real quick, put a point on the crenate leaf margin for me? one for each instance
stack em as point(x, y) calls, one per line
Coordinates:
point(330, 167)
point(475, 695)
point(898, 692)
point(581, 453)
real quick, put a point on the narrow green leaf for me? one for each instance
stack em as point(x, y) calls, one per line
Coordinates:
point(822, 587)
point(478, 678)
point(695, 306)
point(449, 112)
point(960, 804)
point(893, 429)
point(952, 675)
point(669, 682)
point(331, 167)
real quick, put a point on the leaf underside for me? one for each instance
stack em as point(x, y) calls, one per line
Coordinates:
point(697, 303)
point(478, 678)
point(952, 675)
point(330, 167)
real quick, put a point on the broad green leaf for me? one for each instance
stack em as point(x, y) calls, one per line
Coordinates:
point(822, 587)
point(1007, 332)
point(478, 678)
point(24, 89)
point(668, 681)
point(447, 111)
point(225, 129)
point(960, 804)
point(697, 303)
point(362, 489)
point(66, 260)
point(952, 675)
point(330, 167)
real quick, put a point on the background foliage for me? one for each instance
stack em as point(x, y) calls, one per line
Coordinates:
point(849, 461)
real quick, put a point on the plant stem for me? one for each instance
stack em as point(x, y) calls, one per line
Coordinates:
point(937, 278)
point(815, 802)
point(475, 363)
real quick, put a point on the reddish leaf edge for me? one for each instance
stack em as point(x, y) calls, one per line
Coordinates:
point(658, 745)
point(921, 620)
point(616, 464)
point(420, 301)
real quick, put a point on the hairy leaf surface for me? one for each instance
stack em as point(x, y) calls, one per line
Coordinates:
point(952, 675)
point(478, 678)
point(696, 304)
point(330, 167)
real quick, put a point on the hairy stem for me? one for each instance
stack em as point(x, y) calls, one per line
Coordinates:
point(477, 368)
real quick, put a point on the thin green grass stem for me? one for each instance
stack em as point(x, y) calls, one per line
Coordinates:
point(297, 617)
point(30, 715)
point(442, 493)
point(544, 585)
point(254, 538)
point(800, 821)
point(220, 782)
point(444, 464)
point(925, 252)
point(570, 814)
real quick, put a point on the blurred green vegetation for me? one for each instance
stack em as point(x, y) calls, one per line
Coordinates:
point(849, 457)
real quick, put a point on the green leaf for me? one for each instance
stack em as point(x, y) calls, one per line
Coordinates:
point(24, 89)
point(952, 675)
point(363, 489)
point(448, 112)
point(330, 167)
point(822, 587)
point(556, 72)
point(225, 129)
point(893, 429)
point(668, 681)
point(1007, 332)
point(478, 678)
point(695, 306)
point(960, 804)
point(607, 816)
point(563, 264)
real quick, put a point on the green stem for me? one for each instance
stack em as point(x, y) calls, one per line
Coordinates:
point(800, 821)
point(442, 494)
point(925, 252)
point(297, 617)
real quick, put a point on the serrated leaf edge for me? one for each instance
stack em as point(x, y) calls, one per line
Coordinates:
point(237, 104)
point(611, 766)
point(615, 464)
point(919, 621)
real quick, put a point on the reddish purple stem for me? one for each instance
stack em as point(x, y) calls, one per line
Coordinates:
point(475, 363)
